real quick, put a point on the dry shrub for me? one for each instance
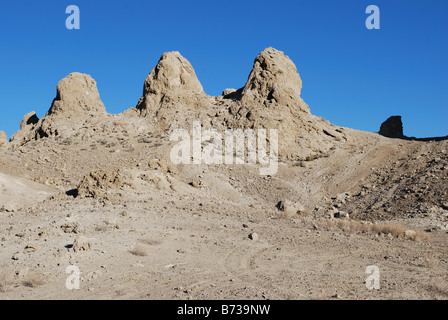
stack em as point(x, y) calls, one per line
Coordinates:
point(138, 251)
point(419, 235)
point(394, 229)
point(34, 279)
point(151, 241)
point(386, 228)
point(5, 280)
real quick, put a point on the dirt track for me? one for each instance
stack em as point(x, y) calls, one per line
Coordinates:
point(193, 243)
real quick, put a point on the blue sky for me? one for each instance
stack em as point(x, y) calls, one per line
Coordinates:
point(352, 76)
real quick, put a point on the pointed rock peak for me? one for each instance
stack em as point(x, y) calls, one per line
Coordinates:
point(274, 79)
point(77, 93)
point(172, 82)
point(173, 72)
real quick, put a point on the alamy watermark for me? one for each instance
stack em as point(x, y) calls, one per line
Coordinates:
point(73, 280)
point(373, 20)
point(373, 280)
point(210, 146)
point(73, 21)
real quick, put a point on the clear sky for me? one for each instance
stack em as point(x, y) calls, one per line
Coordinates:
point(352, 76)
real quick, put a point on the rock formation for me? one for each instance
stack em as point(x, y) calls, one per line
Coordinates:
point(29, 119)
point(171, 84)
point(77, 100)
point(3, 139)
point(273, 80)
point(77, 94)
point(174, 98)
point(97, 183)
point(271, 100)
point(392, 127)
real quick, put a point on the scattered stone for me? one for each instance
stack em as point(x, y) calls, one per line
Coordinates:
point(341, 215)
point(197, 182)
point(29, 249)
point(93, 275)
point(81, 243)
point(71, 228)
point(253, 236)
point(97, 183)
point(226, 92)
point(332, 212)
point(410, 234)
point(163, 166)
point(289, 208)
point(10, 206)
point(17, 256)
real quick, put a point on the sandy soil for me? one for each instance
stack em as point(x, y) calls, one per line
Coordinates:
point(158, 235)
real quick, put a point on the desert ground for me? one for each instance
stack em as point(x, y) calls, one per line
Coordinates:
point(85, 188)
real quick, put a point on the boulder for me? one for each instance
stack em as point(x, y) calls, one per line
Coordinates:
point(81, 243)
point(226, 92)
point(97, 183)
point(392, 127)
point(29, 119)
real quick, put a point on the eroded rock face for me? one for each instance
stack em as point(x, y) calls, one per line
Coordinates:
point(271, 100)
point(273, 79)
point(77, 100)
point(29, 119)
point(97, 183)
point(172, 82)
point(77, 93)
point(392, 127)
point(174, 98)
point(3, 140)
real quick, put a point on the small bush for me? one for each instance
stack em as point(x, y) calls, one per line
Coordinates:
point(138, 251)
point(5, 280)
point(34, 279)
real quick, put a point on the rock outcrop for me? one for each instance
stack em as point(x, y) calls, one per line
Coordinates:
point(77, 94)
point(392, 127)
point(97, 183)
point(3, 140)
point(271, 100)
point(273, 80)
point(171, 84)
point(77, 100)
point(174, 98)
point(29, 119)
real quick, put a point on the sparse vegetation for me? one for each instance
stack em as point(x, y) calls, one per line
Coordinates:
point(393, 229)
point(138, 251)
point(151, 241)
point(6, 279)
point(34, 279)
